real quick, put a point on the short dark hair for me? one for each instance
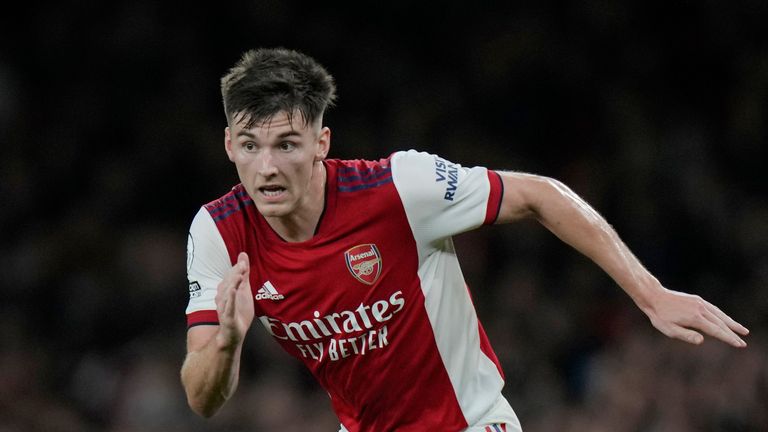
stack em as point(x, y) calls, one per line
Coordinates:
point(266, 81)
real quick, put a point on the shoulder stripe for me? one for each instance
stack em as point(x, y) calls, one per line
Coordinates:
point(365, 185)
point(229, 204)
point(382, 164)
point(228, 213)
point(356, 175)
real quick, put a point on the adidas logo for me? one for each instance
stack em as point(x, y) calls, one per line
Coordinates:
point(268, 292)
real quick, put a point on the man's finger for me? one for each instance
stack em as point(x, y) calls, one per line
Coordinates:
point(688, 335)
point(233, 277)
point(240, 267)
point(717, 328)
point(229, 283)
point(705, 324)
point(243, 268)
point(730, 322)
point(229, 303)
point(243, 261)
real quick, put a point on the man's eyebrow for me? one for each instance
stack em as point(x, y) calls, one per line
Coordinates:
point(289, 133)
point(285, 134)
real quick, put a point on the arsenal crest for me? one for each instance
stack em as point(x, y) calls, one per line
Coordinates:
point(364, 262)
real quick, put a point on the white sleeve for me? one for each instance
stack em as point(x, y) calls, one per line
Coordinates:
point(441, 198)
point(207, 262)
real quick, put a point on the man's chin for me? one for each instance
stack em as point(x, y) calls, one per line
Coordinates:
point(272, 210)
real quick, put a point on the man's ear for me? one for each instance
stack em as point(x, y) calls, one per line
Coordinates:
point(323, 144)
point(228, 144)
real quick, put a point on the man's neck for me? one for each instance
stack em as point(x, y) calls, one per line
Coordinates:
point(302, 224)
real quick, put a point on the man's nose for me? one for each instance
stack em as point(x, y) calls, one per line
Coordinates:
point(266, 164)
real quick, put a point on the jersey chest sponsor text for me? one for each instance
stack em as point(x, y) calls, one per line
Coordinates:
point(338, 335)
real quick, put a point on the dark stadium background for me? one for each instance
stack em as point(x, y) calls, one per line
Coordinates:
point(655, 112)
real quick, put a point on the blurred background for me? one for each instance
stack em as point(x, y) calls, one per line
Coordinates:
point(655, 112)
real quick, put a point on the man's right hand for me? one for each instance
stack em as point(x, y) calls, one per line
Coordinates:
point(234, 304)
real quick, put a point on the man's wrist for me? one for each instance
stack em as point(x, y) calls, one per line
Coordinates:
point(647, 295)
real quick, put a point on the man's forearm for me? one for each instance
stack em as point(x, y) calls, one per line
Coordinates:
point(572, 220)
point(679, 315)
point(210, 376)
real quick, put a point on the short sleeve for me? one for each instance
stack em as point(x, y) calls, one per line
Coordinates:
point(442, 198)
point(207, 262)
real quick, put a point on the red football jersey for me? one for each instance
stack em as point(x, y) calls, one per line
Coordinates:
point(375, 304)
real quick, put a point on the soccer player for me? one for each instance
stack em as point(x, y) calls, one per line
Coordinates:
point(350, 267)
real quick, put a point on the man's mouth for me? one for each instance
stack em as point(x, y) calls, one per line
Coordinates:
point(271, 191)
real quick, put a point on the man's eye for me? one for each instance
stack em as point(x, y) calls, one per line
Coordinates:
point(287, 146)
point(249, 146)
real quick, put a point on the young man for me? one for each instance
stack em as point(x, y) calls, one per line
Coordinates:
point(349, 265)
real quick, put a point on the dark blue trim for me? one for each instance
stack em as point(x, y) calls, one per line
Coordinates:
point(224, 207)
point(202, 323)
point(361, 177)
point(364, 186)
point(501, 198)
point(225, 215)
point(227, 201)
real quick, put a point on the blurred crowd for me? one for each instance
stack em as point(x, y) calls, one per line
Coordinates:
point(656, 113)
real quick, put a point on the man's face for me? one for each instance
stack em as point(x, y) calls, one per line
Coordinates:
point(276, 160)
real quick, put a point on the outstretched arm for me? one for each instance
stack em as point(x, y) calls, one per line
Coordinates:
point(570, 218)
point(211, 368)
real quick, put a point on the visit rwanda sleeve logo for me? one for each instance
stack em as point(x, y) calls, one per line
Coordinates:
point(364, 262)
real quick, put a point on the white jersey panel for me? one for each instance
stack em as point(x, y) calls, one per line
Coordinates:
point(450, 199)
point(207, 262)
point(442, 199)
